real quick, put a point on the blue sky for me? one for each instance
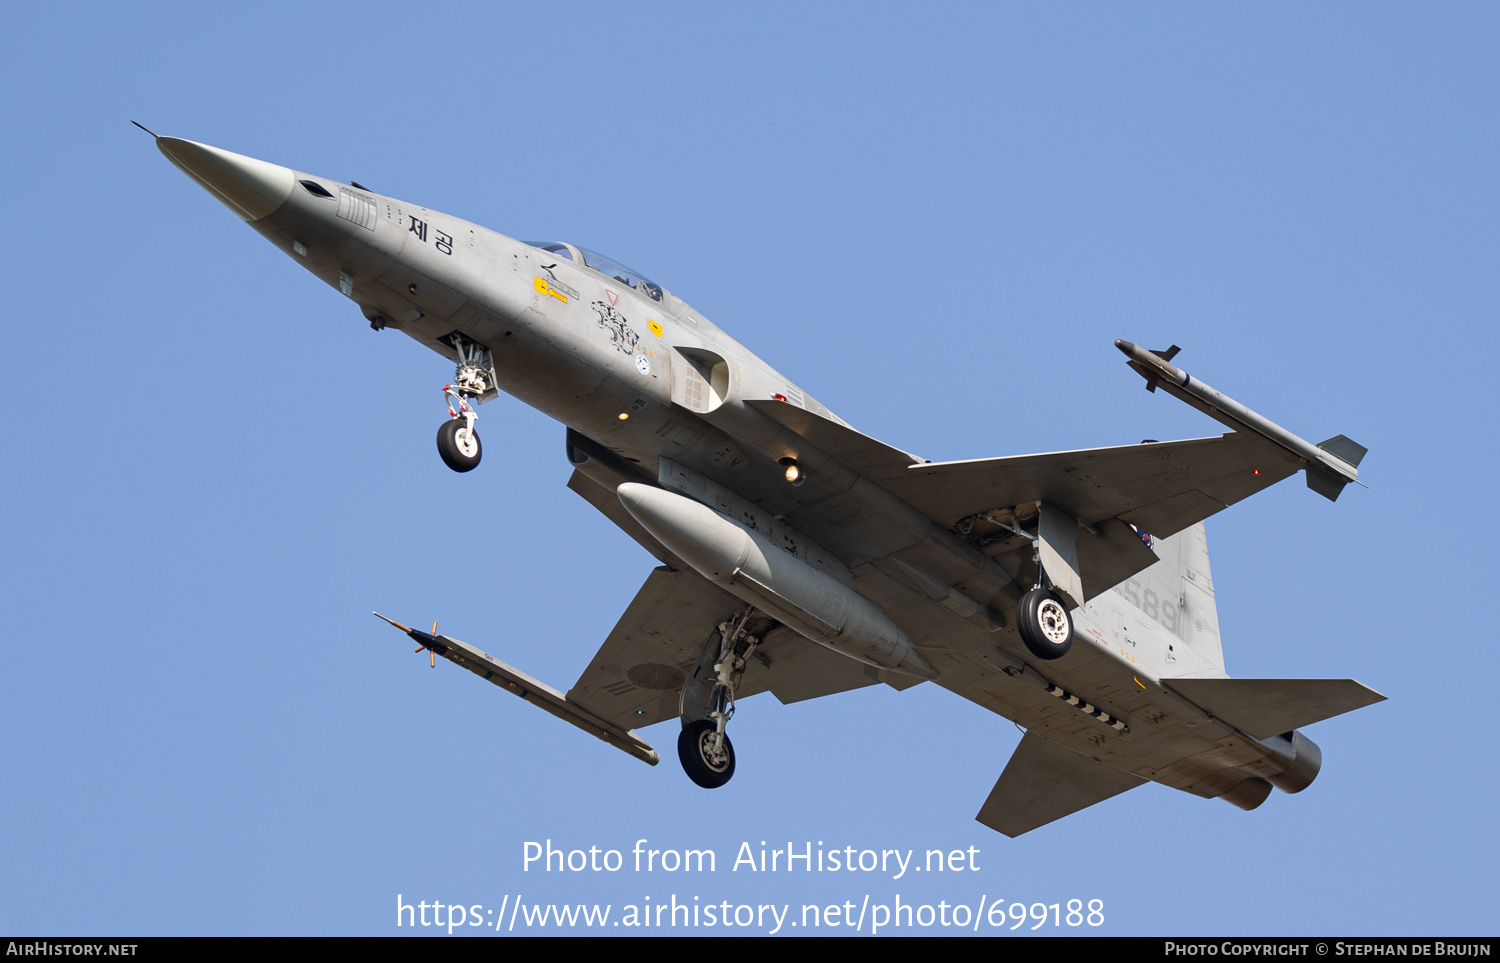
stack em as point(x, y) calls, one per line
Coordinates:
point(936, 221)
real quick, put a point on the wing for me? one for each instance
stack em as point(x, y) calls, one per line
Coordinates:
point(1045, 781)
point(1159, 487)
point(635, 677)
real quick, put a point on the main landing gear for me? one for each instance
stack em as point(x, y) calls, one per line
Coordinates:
point(1042, 617)
point(707, 702)
point(707, 755)
point(473, 381)
point(1044, 623)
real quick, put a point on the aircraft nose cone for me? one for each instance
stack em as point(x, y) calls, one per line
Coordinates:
point(249, 187)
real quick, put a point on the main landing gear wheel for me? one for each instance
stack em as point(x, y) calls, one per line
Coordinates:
point(1044, 623)
point(707, 757)
point(459, 445)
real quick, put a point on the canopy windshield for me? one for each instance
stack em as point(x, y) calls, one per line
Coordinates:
point(608, 267)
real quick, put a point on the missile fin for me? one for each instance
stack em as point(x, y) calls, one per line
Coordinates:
point(1345, 449)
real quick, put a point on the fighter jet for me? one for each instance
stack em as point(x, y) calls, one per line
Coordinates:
point(1070, 591)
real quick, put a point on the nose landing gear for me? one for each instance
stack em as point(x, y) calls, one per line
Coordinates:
point(474, 379)
point(457, 441)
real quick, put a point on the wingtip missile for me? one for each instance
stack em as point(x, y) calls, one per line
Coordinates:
point(532, 690)
point(1142, 367)
point(1330, 464)
point(390, 621)
point(429, 640)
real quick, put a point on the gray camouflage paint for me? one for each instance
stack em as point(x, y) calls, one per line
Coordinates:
point(661, 390)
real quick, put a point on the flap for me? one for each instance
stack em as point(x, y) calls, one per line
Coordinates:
point(795, 669)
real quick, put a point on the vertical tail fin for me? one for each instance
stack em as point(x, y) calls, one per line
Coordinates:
point(1178, 592)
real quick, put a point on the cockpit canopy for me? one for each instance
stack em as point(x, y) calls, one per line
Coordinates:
point(608, 267)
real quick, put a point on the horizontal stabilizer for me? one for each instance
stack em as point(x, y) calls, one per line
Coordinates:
point(1270, 707)
point(1044, 782)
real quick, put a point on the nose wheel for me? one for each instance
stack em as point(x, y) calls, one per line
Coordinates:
point(457, 441)
point(458, 444)
point(473, 382)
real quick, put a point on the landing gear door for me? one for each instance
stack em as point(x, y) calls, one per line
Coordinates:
point(1057, 544)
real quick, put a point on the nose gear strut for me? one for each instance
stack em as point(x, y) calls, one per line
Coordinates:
point(473, 380)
